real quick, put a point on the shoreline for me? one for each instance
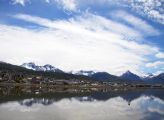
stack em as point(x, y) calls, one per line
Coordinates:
point(120, 86)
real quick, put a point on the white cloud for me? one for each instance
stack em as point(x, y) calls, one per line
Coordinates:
point(156, 15)
point(86, 21)
point(84, 42)
point(153, 9)
point(47, 1)
point(136, 22)
point(69, 5)
point(160, 55)
point(21, 2)
point(155, 64)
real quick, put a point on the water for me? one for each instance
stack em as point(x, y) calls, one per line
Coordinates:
point(81, 105)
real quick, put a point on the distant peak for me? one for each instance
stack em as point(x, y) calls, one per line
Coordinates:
point(128, 72)
point(130, 76)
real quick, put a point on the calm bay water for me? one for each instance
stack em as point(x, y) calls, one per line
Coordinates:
point(95, 105)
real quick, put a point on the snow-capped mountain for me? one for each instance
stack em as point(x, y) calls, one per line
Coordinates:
point(83, 72)
point(130, 76)
point(45, 68)
point(148, 76)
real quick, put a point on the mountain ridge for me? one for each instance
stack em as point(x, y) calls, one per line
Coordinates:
point(127, 77)
point(45, 68)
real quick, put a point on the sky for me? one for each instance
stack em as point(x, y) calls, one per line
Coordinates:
point(100, 35)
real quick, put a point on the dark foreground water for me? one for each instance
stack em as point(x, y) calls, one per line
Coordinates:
point(69, 105)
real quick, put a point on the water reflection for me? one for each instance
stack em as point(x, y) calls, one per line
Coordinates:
point(94, 105)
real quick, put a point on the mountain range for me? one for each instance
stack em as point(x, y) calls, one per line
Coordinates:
point(47, 67)
point(128, 76)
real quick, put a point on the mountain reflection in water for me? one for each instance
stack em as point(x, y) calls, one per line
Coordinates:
point(114, 105)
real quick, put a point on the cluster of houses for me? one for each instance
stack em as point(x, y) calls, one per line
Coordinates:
point(33, 79)
point(52, 81)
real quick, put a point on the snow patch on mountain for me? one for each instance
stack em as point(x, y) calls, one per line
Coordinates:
point(83, 72)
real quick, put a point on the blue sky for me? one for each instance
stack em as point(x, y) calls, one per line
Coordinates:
point(101, 35)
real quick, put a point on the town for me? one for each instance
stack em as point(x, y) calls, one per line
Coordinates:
point(25, 79)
